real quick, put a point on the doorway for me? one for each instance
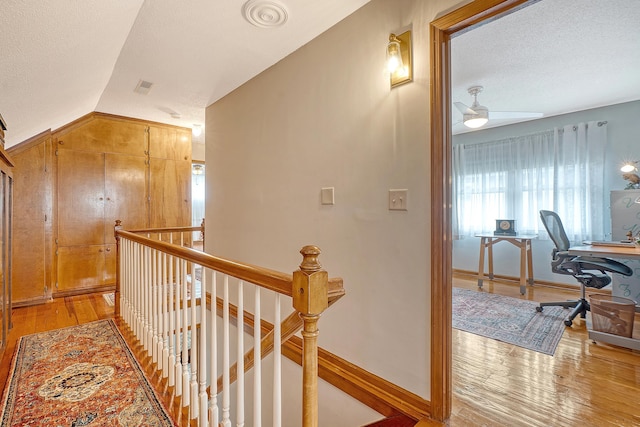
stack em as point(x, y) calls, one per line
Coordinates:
point(441, 31)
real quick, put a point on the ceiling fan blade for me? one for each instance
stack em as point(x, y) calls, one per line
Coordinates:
point(493, 115)
point(463, 108)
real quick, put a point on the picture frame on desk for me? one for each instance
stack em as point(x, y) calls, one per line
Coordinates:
point(505, 227)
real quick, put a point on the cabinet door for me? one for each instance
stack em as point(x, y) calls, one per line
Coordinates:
point(110, 135)
point(82, 267)
point(32, 245)
point(80, 198)
point(125, 189)
point(169, 143)
point(169, 193)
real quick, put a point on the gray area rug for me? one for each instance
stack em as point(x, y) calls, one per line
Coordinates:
point(507, 319)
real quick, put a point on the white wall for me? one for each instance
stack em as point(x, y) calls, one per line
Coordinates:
point(325, 116)
point(623, 128)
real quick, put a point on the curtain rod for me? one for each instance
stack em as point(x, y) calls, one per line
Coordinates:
point(575, 127)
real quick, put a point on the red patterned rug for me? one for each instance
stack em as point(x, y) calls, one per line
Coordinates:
point(79, 376)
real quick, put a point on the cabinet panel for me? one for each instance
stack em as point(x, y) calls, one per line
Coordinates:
point(125, 189)
point(169, 193)
point(106, 135)
point(80, 198)
point(82, 267)
point(168, 143)
point(32, 182)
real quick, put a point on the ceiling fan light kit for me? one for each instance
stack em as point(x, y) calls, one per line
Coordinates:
point(478, 115)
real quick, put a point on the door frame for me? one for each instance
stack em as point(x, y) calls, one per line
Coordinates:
point(441, 30)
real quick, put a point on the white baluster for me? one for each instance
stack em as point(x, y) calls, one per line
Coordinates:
point(172, 324)
point(213, 359)
point(154, 306)
point(240, 357)
point(186, 401)
point(165, 319)
point(194, 345)
point(203, 350)
point(148, 289)
point(226, 395)
point(179, 328)
point(277, 367)
point(257, 366)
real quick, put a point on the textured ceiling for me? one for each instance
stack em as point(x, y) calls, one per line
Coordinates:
point(65, 58)
point(554, 57)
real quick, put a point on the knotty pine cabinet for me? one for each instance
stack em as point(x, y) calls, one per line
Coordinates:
point(107, 168)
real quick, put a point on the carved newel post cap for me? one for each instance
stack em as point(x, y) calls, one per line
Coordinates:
point(310, 261)
point(310, 284)
point(118, 223)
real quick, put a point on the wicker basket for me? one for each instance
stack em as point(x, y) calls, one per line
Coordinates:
point(612, 314)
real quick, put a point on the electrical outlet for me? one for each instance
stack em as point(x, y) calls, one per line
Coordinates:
point(398, 200)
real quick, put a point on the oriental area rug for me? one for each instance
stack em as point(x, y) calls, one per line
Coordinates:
point(507, 319)
point(79, 376)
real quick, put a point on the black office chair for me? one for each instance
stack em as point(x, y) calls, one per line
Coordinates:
point(589, 271)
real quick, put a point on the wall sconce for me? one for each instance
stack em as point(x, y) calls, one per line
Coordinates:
point(196, 130)
point(628, 174)
point(629, 167)
point(399, 61)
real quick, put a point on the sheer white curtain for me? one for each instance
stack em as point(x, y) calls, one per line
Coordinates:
point(560, 170)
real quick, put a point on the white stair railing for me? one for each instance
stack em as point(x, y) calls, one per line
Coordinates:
point(179, 304)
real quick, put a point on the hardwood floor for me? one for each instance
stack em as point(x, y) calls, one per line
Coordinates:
point(584, 384)
point(494, 384)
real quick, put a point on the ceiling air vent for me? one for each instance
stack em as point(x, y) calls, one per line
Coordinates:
point(143, 87)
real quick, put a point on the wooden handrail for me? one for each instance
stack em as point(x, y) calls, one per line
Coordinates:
point(266, 278)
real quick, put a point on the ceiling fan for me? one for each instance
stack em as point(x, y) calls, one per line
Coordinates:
point(478, 115)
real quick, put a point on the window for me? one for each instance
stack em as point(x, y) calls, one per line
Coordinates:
point(514, 178)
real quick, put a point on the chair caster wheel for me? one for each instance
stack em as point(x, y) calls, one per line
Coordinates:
point(568, 322)
point(539, 309)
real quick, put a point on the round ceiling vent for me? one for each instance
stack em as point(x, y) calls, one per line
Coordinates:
point(265, 13)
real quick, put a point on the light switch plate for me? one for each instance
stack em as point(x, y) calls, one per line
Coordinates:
point(398, 200)
point(327, 196)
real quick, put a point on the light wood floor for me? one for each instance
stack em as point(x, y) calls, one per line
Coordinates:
point(494, 384)
point(583, 384)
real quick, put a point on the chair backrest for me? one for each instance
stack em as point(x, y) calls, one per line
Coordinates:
point(552, 223)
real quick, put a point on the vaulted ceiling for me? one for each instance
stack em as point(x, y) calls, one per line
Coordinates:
point(65, 58)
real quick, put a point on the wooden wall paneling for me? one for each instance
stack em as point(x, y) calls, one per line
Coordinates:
point(105, 134)
point(125, 190)
point(80, 198)
point(80, 268)
point(170, 143)
point(32, 240)
point(169, 193)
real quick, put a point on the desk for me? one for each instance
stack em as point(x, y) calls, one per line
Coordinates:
point(609, 252)
point(522, 241)
point(603, 251)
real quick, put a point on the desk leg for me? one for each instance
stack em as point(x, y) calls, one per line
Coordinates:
point(530, 262)
point(483, 241)
point(490, 260)
point(523, 267)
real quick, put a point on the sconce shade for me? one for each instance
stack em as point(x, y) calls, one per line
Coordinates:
point(196, 130)
point(399, 58)
point(629, 167)
point(394, 57)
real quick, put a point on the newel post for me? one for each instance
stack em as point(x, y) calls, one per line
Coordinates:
point(117, 227)
point(310, 299)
